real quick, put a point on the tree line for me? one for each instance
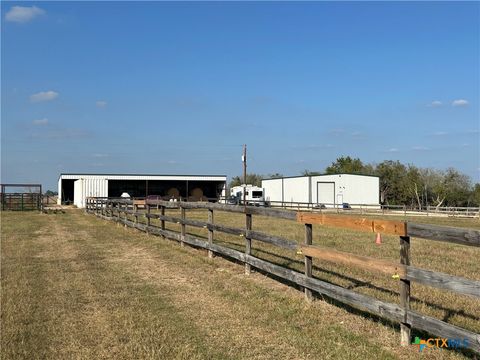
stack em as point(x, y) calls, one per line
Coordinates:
point(400, 184)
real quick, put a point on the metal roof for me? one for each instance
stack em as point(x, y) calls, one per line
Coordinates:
point(74, 176)
point(300, 176)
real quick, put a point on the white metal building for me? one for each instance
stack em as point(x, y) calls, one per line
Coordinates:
point(330, 190)
point(75, 188)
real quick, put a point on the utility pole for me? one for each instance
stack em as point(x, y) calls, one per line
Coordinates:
point(244, 161)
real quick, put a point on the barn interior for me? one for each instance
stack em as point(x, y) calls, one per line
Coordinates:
point(167, 189)
point(67, 191)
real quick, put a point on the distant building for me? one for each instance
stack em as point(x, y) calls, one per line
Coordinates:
point(329, 190)
point(75, 188)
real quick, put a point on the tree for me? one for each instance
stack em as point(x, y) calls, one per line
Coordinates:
point(392, 184)
point(476, 195)
point(252, 179)
point(310, 173)
point(458, 188)
point(273, 176)
point(50, 193)
point(347, 165)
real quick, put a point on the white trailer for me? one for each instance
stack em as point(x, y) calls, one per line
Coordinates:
point(254, 195)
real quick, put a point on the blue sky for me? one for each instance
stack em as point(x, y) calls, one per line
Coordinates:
point(177, 88)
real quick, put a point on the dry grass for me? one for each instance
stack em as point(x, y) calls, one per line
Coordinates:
point(74, 286)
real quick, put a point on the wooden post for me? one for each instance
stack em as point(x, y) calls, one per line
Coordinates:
point(183, 227)
point(248, 241)
point(125, 216)
point(117, 210)
point(162, 222)
point(210, 232)
point(308, 260)
point(135, 208)
point(148, 216)
point(405, 326)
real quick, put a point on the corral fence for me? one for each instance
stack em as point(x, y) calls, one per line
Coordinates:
point(384, 209)
point(127, 212)
point(21, 197)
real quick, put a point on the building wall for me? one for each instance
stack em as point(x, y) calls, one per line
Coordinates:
point(273, 189)
point(90, 187)
point(346, 188)
point(352, 189)
point(296, 189)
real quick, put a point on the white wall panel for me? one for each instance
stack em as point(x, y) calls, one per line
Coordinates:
point(273, 189)
point(296, 189)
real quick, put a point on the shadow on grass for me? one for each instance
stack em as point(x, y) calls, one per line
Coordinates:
point(289, 262)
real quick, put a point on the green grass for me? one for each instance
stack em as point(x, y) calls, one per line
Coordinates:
point(74, 286)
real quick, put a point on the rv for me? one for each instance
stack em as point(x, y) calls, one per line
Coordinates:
point(254, 195)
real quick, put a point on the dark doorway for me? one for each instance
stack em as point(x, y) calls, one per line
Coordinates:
point(67, 191)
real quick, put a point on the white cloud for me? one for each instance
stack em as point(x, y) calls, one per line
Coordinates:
point(392, 150)
point(23, 14)
point(420, 148)
point(61, 134)
point(99, 155)
point(440, 133)
point(435, 103)
point(459, 102)
point(40, 122)
point(44, 96)
point(101, 103)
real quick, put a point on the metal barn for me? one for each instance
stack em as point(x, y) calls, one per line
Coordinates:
point(329, 190)
point(75, 188)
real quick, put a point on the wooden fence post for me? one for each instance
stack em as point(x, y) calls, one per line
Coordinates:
point(162, 222)
point(135, 208)
point(210, 232)
point(182, 226)
point(125, 216)
point(117, 210)
point(405, 326)
point(248, 241)
point(308, 259)
point(148, 217)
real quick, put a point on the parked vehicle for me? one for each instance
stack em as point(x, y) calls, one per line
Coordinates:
point(254, 195)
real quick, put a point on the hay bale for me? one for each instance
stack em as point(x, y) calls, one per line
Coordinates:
point(173, 193)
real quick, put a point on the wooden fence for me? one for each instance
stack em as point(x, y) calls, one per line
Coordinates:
point(120, 210)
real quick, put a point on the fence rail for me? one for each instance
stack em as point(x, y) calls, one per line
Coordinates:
point(119, 209)
point(453, 211)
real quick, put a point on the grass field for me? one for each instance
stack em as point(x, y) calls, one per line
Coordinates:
point(74, 286)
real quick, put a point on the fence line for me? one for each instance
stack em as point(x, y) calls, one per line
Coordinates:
point(119, 210)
